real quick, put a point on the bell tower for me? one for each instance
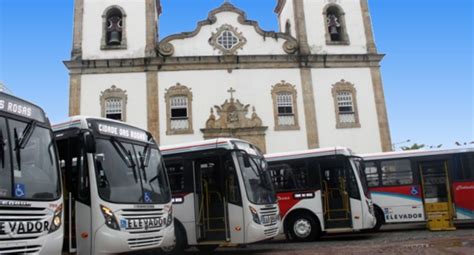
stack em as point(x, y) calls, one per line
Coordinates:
point(115, 29)
point(328, 26)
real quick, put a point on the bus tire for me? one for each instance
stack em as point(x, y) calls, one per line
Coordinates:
point(181, 241)
point(379, 218)
point(207, 249)
point(304, 227)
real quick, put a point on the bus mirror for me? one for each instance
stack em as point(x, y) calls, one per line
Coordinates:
point(90, 143)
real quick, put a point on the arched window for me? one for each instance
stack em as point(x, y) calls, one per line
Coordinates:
point(114, 30)
point(179, 110)
point(345, 104)
point(285, 106)
point(336, 30)
point(113, 103)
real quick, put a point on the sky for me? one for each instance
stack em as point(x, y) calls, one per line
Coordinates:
point(427, 71)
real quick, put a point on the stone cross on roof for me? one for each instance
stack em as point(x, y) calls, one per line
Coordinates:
point(231, 91)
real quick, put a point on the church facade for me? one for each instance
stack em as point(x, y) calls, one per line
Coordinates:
point(315, 83)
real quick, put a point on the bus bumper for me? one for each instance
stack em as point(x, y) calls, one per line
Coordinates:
point(50, 244)
point(109, 241)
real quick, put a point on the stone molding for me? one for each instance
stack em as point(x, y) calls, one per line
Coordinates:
point(173, 91)
point(123, 44)
point(381, 108)
point(345, 86)
point(153, 106)
point(279, 8)
point(300, 27)
point(342, 19)
point(114, 92)
point(78, 27)
point(279, 88)
point(369, 34)
point(166, 48)
point(213, 41)
point(311, 123)
point(151, 10)
point(75, 94)
point(222, 63)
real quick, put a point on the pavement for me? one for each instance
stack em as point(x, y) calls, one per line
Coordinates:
point(397, 239)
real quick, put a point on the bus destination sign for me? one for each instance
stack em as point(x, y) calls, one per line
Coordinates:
point(124, 131)
point(20, 108)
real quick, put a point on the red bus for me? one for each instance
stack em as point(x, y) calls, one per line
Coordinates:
point(403, 184)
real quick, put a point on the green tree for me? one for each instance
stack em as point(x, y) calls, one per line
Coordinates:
point(413, 147)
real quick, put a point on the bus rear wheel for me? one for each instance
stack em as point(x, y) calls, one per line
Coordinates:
point(303, 227)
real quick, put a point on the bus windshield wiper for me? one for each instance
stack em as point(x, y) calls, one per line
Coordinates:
point(125, 155)
point(21, 142)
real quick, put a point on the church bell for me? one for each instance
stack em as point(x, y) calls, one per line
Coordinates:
point(114, 38)
point(333, 30)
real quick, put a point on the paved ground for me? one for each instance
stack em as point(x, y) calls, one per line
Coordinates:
point(392, 240)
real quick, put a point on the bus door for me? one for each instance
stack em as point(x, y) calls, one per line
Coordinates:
point(436, 195)
point(78, 218)
point(335, 195)
point(210, 201)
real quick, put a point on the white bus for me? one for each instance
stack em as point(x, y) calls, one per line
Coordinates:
point(222, 194)
point(321, 191)
point(117, 196)
point(31, 202)
point(409, 186)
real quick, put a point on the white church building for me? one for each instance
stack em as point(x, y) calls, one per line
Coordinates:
point(314, 83)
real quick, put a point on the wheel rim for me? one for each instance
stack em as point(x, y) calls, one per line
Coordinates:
point(302, 228)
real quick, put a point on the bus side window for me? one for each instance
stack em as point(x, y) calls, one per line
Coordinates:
point(396, 172)
point(466, 172)
point(372, 174)
point(282, 177)
point(176, 176)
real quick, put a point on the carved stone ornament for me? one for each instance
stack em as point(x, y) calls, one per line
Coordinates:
point(227, 40)
point(232, 121)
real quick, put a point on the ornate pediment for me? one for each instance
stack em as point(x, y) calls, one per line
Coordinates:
point(233, 114)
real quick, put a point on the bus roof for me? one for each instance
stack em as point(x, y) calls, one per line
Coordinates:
point(310, 153)
point(217, 143)
point(21, 108)
point(413, 153)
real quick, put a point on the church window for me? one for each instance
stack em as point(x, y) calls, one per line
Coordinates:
point(285, 107)
point(345, 103)
point(114, 32)
point(227, 40)
point(113, 103)
point(179, 110)
point(336, 32)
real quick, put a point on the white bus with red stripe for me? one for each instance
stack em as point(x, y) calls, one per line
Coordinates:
point(321, 191)
point(222, 194)
point(402, 183)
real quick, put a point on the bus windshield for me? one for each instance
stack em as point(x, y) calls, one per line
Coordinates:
point(28, 163)
point(130, 173)
point(360, 167)
point(257, 179)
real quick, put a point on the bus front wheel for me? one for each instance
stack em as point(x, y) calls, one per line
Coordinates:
point(303, 227)
point(379, 218)
point(180, 244)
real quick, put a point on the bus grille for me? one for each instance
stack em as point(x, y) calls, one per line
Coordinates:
point(271, 212)
point(19, 214)
point(140, 243)
point(271, 232)
point(32, 249)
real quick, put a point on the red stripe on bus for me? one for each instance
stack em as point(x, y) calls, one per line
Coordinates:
point(463, 194)
point(402, 190)
point(287, 200)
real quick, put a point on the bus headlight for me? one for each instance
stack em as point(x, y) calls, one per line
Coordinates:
point(169, 220)
point(57, 219)
point(255, 217)
point(109, 216)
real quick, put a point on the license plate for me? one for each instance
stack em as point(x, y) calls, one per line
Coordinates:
point(269, 219)
point(147, 223)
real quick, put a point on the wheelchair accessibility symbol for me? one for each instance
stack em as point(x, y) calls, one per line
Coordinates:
point(19, 190)
point(147, 197)
point(414, 191)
